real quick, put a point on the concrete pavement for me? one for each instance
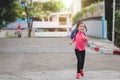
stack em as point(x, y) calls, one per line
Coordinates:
point(104, 46)
point(62, 75)
point(52, 59)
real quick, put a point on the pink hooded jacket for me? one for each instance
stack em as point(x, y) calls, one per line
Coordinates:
point(80, 42)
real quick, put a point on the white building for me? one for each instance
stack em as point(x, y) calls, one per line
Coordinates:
point(58, 25)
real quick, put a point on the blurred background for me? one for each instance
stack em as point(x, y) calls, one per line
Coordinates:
point(57, 18)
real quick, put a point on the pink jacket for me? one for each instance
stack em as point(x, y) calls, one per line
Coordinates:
point(80, 42)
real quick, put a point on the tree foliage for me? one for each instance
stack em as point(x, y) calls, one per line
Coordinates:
point(43, 9)
point(10, 10)
point(117, 28)
point(91, 11)
point(117, 21)
point(86, 3)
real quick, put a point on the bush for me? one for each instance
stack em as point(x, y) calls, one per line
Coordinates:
point(117, 21)
point(87, 12)
point(9, 35)
point(117, 28)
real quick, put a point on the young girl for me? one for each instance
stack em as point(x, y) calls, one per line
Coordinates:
point(80, 42)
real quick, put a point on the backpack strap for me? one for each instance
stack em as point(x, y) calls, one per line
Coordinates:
point(73, 34)
point(84, 34)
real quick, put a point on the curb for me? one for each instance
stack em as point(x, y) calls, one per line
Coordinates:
point(102, 50)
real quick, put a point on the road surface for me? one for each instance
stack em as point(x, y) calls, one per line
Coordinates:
point(52, 59)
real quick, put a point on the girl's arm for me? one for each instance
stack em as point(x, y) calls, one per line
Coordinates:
point(72, 41)
point(86, 39)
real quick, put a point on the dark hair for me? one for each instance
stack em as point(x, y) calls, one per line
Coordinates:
point(80, 22)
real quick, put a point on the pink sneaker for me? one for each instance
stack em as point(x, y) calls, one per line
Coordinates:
point(82, 73)
point(78, 75)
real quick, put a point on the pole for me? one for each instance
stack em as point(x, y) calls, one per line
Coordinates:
point(103, 21)
point(25, 4)
point(113, 28)
point(28, 22)
point(28, 19)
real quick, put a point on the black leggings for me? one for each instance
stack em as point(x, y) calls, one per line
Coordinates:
point(80, 59)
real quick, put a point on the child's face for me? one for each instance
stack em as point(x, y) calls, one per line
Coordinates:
point(81, 27)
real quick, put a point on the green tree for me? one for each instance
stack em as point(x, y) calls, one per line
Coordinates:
point(86, 3)
point(43, 9)
point(117, 21)
point(117, 28)
point(10, 10)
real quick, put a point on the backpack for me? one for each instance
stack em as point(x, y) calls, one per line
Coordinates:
point(74, 32)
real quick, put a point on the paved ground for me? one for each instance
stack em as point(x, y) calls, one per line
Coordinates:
point(104, 43)
point(52, 59)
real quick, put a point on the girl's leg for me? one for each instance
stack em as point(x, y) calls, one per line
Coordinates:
point(83, 59)
point(79, 60)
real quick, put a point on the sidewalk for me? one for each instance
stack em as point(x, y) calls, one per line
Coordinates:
point(52, 59)
point(103, 46)
point(61, 75)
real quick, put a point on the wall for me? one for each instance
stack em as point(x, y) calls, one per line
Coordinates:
point(14, 25)
point(38, 24)
point(12, 33)
point(54, 18)
point(95, 28)
point(51, 34)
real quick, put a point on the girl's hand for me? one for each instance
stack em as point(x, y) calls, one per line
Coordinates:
point(84, 37)
point(71, 42)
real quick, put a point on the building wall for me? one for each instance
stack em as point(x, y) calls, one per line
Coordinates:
point(54, 18)
point(58, 25)
point(76, 6)
point(50, 29)
point(95, 28)
point(51, 34)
